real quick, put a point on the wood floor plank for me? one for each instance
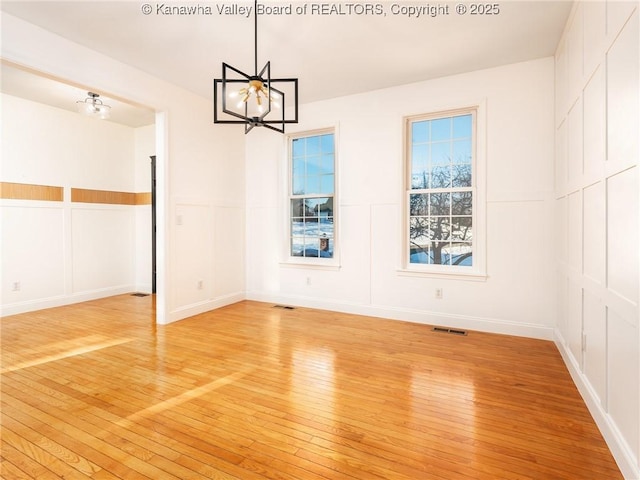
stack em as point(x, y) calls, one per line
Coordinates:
point(249, 392)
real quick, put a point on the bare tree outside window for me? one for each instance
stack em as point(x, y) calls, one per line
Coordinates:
point(440, 197)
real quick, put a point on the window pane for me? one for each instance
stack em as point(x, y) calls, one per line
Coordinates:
point(440, 204)
point(461, 229)
point(313, 165)
point(298, 147)
point(298, 166)
point(327, 143)
point(440, 129)
point(311, 247)
point(325, 207)
point(462, 151)
point(420, 155)
point(297, 187)
point(326, 247)
point(311, 227)
point(440, 176)
point(462, 126)
point(297, 207)
point(441, 253)
point(313, 146)
point(420, 132)
point(326, 227)
point(419, 228)
point(439, 229)
point(419, 253)
point(326, 164)
point(419, 166)
point(461, 254)
point(312, 185)
point(326, 184)
point(297, 246)
point(418, 204)
point(441, 153)
point(420, 181)
point(461, 176)
point(461, 203)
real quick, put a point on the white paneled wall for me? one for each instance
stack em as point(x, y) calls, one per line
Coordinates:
point(516, 131)
point(62, 251)
point(597, 198)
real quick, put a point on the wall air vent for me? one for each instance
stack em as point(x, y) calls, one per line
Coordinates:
point(452, 331)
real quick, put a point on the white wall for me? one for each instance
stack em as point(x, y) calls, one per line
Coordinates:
point(62, 252)
point(200, 169)
point(517, 134)
point(597, 197)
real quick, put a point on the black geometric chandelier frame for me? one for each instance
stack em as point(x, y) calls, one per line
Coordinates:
point(261, 101)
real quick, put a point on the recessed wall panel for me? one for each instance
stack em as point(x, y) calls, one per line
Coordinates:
point(622, 234)
point(574, 237)
point(623, 372)
point(574, 324)
point(103, 248)
point(595, 126)
point(595, 353)
point(595, 248)
point(574, 143)
point(32, 253)
point(623, 77)
point(595, 18)
point(561, 158)
point(575, 61)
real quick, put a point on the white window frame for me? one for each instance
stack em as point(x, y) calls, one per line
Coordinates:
point(478, 168)
point(313, 262)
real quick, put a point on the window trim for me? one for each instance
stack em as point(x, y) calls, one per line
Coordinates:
point(478, 270)
point(312, 262)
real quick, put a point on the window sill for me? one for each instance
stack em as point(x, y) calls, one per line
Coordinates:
point(457, 275)
point(331, 265)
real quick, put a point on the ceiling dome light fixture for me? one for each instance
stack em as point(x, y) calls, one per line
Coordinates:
point(254, 100)
point(92, 106)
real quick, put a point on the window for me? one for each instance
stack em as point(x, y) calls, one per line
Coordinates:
point(440, 193)
point(312, 191)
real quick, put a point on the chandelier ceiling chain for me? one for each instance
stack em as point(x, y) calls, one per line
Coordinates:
point(262, 98)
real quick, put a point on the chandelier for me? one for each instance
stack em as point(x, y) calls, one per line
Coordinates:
point(254, 100)
point(92, 106)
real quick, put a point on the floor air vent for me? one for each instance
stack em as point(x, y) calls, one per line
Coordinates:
point(285, 307)
point(452, 331)
point(139, 294)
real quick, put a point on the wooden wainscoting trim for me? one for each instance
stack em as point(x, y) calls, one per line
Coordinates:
point(27, 191)
point(143, 198)
point(82, 195)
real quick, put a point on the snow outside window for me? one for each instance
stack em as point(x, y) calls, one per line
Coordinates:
point(312, 191)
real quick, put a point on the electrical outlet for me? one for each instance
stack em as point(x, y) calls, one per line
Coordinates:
point(308, 280)
point(200, 284)
point(438, 293)
point(15, 287)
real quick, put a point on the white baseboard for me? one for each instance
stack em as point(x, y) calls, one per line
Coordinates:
point(464, 322)
point(620, 450)
point(62, 300)
point(202, 307)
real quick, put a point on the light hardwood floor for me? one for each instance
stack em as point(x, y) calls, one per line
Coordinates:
point(249, 391)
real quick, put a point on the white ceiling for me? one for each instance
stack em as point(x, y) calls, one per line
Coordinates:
point(331, 55)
